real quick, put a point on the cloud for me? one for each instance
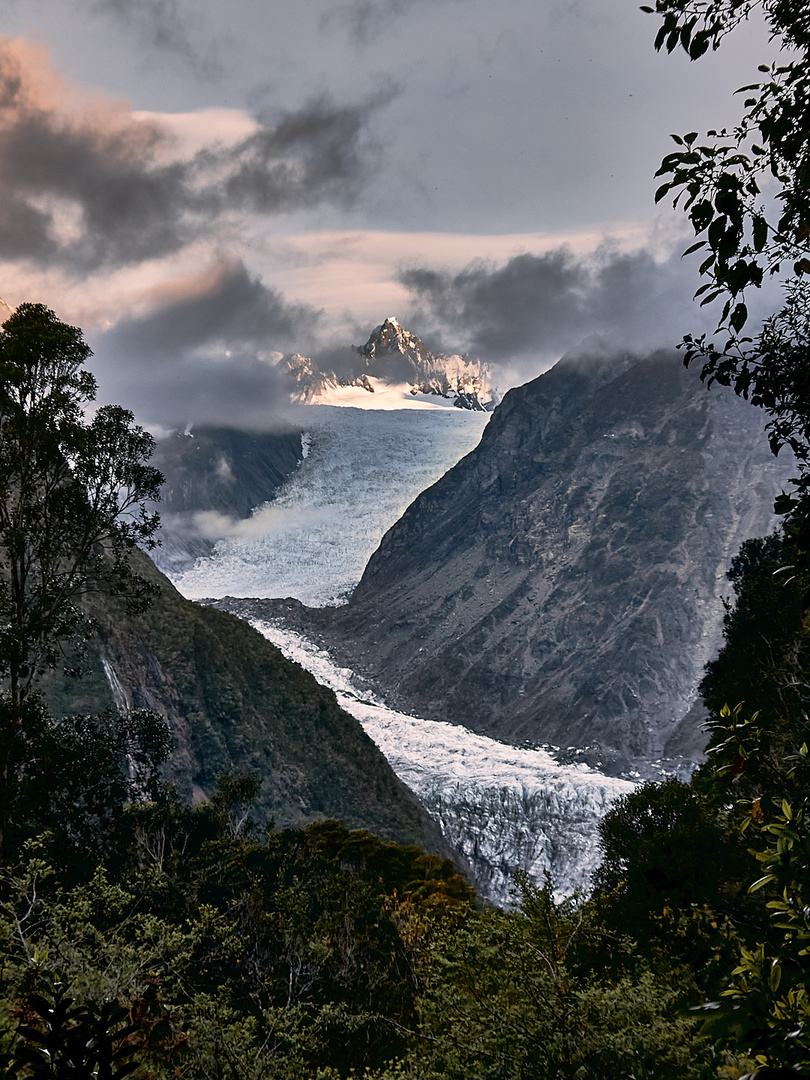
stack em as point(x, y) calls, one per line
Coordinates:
point(85, 184)
point(317, 153)
point(206, 354)
point(166, 26)
point(366, 19)
point(535, 307)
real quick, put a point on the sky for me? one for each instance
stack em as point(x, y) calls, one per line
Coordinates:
point(203, 187)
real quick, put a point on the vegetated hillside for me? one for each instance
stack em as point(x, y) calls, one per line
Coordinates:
point(221, 471)
point(233, 702)
point(563, 583)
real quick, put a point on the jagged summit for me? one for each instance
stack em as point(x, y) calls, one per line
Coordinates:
point(305, 376)
point(390, 337)
point(392, 356)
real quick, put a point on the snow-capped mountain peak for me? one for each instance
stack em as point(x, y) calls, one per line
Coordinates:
point(392, 356)
point(390, 338)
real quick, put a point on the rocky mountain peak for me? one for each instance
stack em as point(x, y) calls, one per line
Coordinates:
point(392, 355)
point(390, 338)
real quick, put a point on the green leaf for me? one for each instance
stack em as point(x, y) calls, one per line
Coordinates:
point(760, 882)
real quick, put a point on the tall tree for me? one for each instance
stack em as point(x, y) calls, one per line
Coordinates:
point(73, 504)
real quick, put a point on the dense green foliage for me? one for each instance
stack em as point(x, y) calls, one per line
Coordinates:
point(747, 195)
point(73, 497)
point(265, 956)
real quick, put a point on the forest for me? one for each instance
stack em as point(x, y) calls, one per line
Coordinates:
point(144, 937)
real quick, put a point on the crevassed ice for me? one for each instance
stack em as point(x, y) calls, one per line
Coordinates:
point(504, 808)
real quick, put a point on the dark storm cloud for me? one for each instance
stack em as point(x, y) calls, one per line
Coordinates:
point(92, 186)
point(542, 305)
point(204, 355)
point(316, 153)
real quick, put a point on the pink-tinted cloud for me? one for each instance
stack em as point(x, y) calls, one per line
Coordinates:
point(84, 183)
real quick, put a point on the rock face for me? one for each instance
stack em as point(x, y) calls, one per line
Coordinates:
point(563, 583)
point(391, 355)
point(216, 471)
point(233, 702)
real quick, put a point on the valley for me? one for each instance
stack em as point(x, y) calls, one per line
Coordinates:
point(531, 601)
point(504, 809)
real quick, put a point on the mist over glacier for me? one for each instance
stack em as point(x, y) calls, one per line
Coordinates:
point(362, 469)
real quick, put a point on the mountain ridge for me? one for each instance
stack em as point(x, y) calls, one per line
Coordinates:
point(234, 703)
point(563, 583)
point(392, 355)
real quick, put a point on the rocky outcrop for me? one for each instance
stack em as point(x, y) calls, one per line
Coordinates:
point(304, 378)
point(564, 583)
point(391, 355)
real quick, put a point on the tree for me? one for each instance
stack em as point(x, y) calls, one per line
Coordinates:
point(73, 504)
point(747, 195)
point(660, 849)
point(761, 676)
point(71, 777)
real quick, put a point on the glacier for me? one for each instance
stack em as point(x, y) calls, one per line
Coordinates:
point(504, 808)
point(362, 468)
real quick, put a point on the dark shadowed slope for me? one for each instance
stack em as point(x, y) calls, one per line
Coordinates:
point(213, 473)
point(563, 582)
point(234, 702)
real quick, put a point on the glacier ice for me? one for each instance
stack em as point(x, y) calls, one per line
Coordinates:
point(504, 808)
point(362, 469)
